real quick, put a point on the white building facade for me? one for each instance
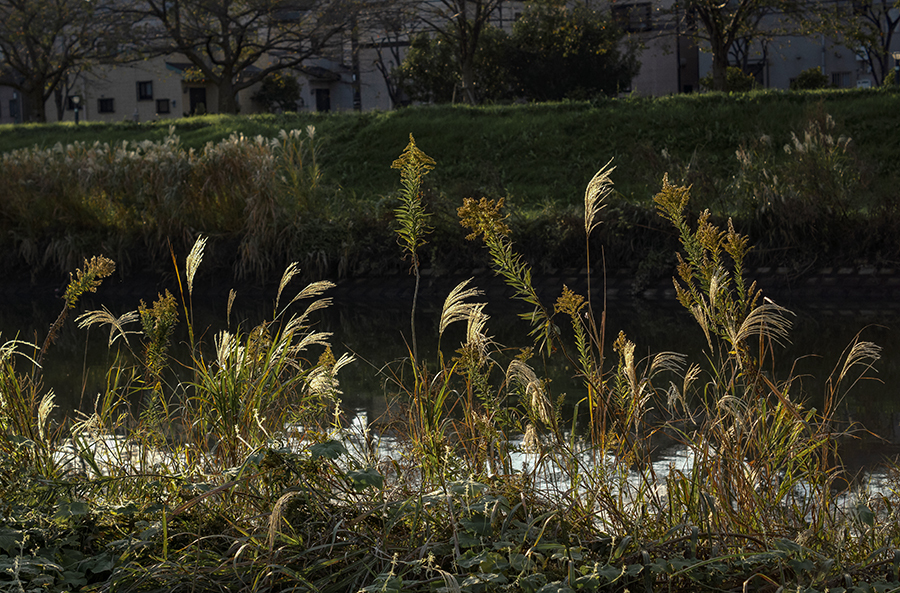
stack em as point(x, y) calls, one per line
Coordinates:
point(347, 77)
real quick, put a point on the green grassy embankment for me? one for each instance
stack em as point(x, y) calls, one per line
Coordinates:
point(826, 201)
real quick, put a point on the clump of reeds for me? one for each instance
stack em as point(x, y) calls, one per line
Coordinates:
point(253, 191)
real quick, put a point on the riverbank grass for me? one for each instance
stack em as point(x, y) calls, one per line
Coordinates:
point(237, 468)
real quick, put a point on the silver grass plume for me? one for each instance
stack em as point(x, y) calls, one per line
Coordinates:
point(313, 338)
point(116, 324)
point(228, 349)
point(231, 296)
point(276, 517)
point(44, 409)
point(477, 321)
point(598, 189)
point(534, 390)
point(8, 348)
point(455, 307)
point(291, 271)
point(193, 261)
point(323, 379)
point(531, 442)
point(768, 320)
point(630, 371)
point(699, 313)
point(667, 361)
point(311, 290)
point(864, 354)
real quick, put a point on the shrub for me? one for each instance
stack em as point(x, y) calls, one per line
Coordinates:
point(736, 81)
point(809, 79)
point(278, 91)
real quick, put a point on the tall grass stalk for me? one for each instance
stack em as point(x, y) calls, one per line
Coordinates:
point(412, 217)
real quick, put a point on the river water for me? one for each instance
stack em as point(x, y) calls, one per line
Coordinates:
point(374, 325)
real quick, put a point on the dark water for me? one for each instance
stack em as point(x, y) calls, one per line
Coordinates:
point(377, 331)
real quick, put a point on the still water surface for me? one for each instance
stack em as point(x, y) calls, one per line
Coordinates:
point(377, 332)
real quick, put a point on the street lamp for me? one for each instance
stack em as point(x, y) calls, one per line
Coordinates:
point(76, 101)
point(896, 56)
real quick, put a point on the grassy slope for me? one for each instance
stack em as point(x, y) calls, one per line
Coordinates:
point(540, 157)
point(538, 152)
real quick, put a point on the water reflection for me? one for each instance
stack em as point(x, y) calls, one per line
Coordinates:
point(378, 333)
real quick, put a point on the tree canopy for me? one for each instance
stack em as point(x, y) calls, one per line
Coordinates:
point(866, 25)
point(554, 52)
point(460, 24)
point(725, 25)
point(43, 42)
point(568, 52)
point(235, 44)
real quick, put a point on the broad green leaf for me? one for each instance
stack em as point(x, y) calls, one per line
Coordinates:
point(865, 514)
point(329, 449)
point(531, 583)
point(10, 539)
point(478, 525)
point(467, 540)
point(369, 478)
point(76, 508)
point(470, 559)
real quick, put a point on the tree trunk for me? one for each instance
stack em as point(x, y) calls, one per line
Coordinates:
point(59, 101)
point(720, 68)
point(468, 81)
point(34, 108)
point(227, 99)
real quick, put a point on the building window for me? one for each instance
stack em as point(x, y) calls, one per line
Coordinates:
point(145, 90)
point(106, 106)
point(162, 106)
point(633, 17)
point(840, 80)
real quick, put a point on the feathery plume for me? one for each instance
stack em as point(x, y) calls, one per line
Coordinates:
point(193, 262)
point(455, 307)
point(598, 189)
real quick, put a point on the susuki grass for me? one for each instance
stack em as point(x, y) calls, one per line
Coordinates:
point(235, 467)
point(327, 200)
point(125, 197)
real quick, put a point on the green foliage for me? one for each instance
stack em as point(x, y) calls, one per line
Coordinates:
point(431, 72)
point(87, 279)
point(811, 78)
point(413, 165)
point(804, 191)
point(553, 53)
point(428, 71)
point(560, 52)
point(158, 322)
point(736, 81)
point(278, 91)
